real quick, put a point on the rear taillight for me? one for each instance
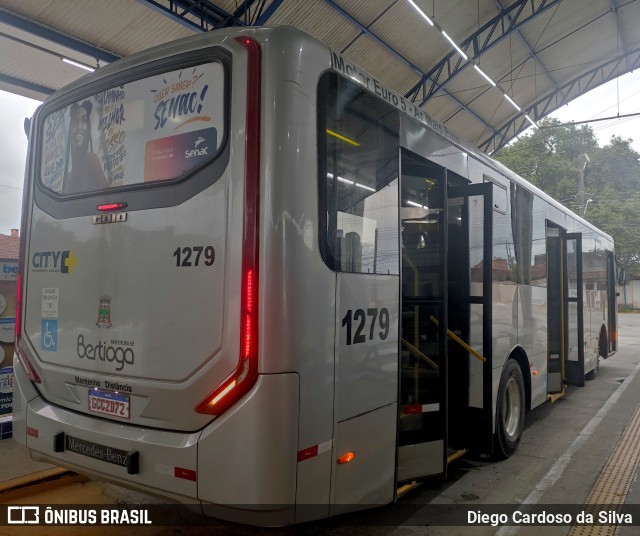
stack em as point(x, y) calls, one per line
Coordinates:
point(246, 373)
point(28, 367)
point(30, 370)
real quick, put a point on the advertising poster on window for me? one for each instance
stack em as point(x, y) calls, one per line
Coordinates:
point(6, 390)
point(153, 129)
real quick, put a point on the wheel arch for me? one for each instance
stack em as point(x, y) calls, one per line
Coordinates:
point(520, 356)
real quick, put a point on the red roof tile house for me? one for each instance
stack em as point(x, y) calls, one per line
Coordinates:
point(10, 246)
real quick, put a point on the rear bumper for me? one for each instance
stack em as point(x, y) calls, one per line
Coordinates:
point(243, 460)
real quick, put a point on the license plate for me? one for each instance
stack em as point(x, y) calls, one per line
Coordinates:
point(112, 404)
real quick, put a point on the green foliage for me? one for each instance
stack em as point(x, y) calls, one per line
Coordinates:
point(549, 158)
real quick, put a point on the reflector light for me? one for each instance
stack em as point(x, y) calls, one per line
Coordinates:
point(346, 458)
point(33, 432)
point(222, 393)
point(111, 206)
point(187, 474)
point(305, 454)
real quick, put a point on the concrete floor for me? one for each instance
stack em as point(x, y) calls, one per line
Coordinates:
point(559, 459)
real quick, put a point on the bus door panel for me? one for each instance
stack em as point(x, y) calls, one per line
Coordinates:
point(565, 358)
point(469, 254)
point(575, 310)
point(422, 396)
point(612, 306)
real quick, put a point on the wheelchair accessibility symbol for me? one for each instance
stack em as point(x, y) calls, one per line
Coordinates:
point(49, 336)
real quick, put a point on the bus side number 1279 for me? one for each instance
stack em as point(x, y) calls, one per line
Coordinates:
point(359, 318)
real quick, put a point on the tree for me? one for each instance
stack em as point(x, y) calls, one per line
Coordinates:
point(548, 158)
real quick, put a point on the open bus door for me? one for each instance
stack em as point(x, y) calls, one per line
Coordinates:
point(470, 316)
point(565, 360)
point(423, 353)
point(430, 384)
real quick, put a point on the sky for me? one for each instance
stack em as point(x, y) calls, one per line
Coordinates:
point(13, 153)
point(616, 97)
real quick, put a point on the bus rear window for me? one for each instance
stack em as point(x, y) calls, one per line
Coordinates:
point(145, 131)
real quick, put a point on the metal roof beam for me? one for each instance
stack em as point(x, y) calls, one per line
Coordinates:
point(167, 11)
point(209, 15)
point(587, 81)
point(614, 11)
point(486, 37)
point(268, 13)
point(23, 84)
point(212, 16)
point(529, 48)
point(393, 51)
point(55, 36)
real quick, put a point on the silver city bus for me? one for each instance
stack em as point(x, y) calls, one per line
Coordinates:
point(257, 280)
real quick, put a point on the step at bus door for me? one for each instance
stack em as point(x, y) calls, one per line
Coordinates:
point(565, 359)
point(422, 396)
point(469, 271)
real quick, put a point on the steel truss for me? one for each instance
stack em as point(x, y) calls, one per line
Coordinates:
point(490, 34)
point(603, 73)
point(212, 17)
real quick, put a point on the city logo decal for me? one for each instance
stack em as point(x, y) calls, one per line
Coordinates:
point(54, 261)
point(104, 312)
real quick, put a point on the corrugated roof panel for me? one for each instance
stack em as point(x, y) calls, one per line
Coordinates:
point(441, 107)
point(318, 19)
point(40, 63)
point(365, 11)
point(115, 25)
point(581, 51)
point(377, 60)
point(411, 35)
point(553, 24)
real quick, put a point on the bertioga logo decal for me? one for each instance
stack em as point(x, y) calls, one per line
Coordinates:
point(54, 261)
point(114, 352)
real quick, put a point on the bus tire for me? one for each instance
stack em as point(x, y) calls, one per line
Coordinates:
point(603, 343)
point(510, 410)
point(591, 375)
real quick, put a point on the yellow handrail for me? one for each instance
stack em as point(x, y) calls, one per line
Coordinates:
point(418, 353)
point(468, 348)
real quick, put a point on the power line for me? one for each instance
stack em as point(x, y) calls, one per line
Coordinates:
point(12, 187)
point(589, 121)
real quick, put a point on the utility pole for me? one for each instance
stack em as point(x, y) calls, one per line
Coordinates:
point(582, 163)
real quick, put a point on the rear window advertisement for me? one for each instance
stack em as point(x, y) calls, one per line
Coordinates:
point(149, 130)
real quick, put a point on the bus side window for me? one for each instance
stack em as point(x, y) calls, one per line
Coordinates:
point(358, 165)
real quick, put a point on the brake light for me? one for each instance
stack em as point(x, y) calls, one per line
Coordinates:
point(111, 206)
point(246, 373)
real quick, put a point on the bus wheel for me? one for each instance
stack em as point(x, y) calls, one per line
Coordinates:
point(511, 408)
point(591, 375)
